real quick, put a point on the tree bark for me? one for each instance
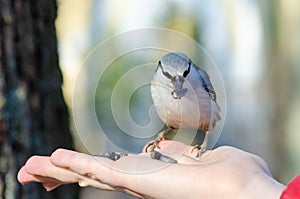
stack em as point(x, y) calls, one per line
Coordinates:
point(33, 115)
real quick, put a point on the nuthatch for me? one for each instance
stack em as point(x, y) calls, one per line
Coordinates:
point(183, 97)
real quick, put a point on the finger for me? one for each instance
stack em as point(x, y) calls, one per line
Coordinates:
point(83, 181)
point(82, 164)
point(92, 171)
point(133, 173)
point(108, 171)
point(40, 169)
point(104, 169)
point(32, 171)
point(42, 166)
point(23, 177)
point(26, 178)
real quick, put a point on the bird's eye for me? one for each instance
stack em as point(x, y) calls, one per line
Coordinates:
point(186, 72)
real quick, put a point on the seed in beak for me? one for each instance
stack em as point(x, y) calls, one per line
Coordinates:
point(179, 93)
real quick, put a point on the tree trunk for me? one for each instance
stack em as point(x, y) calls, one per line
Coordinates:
point(33, 115)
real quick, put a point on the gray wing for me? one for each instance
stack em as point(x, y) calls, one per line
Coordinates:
point(205, 80)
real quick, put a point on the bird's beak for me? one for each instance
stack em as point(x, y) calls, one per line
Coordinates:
point(178, 91)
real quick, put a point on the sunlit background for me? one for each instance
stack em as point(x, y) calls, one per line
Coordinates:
point(255, 45)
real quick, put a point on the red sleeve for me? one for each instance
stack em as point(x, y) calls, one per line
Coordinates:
point(292, 191)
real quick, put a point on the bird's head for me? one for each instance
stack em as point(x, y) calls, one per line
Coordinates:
point(175, 67)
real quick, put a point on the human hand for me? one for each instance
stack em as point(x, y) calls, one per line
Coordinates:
point(225, 172)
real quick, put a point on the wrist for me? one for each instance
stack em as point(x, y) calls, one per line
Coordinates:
point(262, 186)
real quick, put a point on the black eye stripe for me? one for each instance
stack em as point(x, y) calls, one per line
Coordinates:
point(164, 72)
point(186, 72)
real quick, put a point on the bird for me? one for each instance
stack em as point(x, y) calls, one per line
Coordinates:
point(184, 97)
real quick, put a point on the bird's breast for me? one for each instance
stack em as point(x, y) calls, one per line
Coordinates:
point(195, 110)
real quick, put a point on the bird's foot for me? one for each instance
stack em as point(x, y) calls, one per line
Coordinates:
point(201, 149)
point(154, 143)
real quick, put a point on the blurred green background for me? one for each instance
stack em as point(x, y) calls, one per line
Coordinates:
point(255, 45)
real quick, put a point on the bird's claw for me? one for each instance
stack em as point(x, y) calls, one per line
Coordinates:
point(201, 149)
point(152, 145)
